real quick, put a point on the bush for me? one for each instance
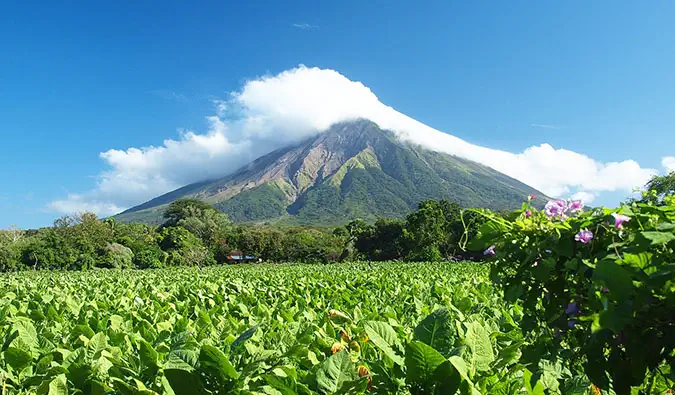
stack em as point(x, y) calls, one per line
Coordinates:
point(596, 287)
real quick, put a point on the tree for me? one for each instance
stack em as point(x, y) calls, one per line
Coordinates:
point(183, 208)
point(184, 248)
point(202, 220)
point(659, 187)
point(425, 228)
point(118, 256)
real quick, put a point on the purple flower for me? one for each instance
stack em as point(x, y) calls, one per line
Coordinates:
point(572, 308)
point(490, 251)
point(528, 213)
point(556, 208)
point(619, 220)
point(576, 205)
point(605, 290)
point(584, 236)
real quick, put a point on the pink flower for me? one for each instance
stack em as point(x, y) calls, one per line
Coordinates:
point(528, 213)
point(556, 208)
point(584, 236)
point(619, 219)
point(490, 251)
point(576, 206)
point(531, 197)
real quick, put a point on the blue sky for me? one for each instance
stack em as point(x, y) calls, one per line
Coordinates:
point(81, 78)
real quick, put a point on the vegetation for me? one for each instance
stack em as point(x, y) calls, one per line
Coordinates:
point(196, 234)
point(353, 328)
point(564, 301)
point(601, 285)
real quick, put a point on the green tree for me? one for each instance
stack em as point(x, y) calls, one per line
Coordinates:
point(184, 248)
point(659, 187)
point(202, 220)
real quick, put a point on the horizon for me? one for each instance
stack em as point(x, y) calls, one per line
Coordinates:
point(107, 113)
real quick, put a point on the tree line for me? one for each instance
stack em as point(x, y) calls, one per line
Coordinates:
point(196, 234)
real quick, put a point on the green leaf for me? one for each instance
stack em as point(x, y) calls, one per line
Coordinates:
point(533, 385)
point(245, 336)
point(421, 362)
point(334, 371)
point(147, 354)
point(116, 323)
point(183, 382)
point(436, 330)
point(383, 337)
point(447, 378)
point(617, 278)
point(215, 362)
point(658, 238)
point(56, 386)
point(640, 261)
point(97, 343)
point(282, 382)
point(478, 340)
point(181, 360)
point(17, 358)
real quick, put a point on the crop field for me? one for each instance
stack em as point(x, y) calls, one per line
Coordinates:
point(271, 329)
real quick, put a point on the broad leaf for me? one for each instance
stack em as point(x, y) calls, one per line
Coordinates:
point(421, 362)
point(383, 337)
point(478, 340)
point(334, 371)
point(436, 330)
point(215, 362)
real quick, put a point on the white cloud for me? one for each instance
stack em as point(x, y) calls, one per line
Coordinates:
point(304, 26)
point(272, 111)
point(668, 163)
point(584, 196)
point(76, 203)
point(545, 126)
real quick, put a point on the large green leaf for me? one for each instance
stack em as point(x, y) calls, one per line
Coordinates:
point(334, 371)
point(215, 362)
point(617, 278)
point(56, 386)
point(97, 343)
point(383, 337)
point(533, 385)
point(17, 358)
point(148, 355)
point(436, 330)
point(478, 340)
point(658, 238)
point(421, 362)
point(183, 382)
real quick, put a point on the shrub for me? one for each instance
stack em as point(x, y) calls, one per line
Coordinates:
point(597, 287)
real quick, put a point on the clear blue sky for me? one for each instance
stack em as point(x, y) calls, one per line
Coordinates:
point(79, 78)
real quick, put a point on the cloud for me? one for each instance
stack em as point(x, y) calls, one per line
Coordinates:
point(274, 110)
point(545, 126)
point(304, 26)
point(585, 197)
point(668, 162)
point(76, 203)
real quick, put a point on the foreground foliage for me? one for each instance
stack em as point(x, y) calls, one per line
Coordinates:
point(351, 328)
point(601, 285)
